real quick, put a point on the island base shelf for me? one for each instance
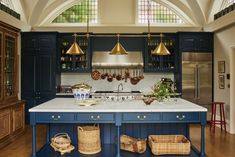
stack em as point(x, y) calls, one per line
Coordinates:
point(108, 150)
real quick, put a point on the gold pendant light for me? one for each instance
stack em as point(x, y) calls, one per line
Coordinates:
point(75, 48)
point(118, 48)
point(161, 49)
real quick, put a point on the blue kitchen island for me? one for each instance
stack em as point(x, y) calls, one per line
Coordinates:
point(132, 118)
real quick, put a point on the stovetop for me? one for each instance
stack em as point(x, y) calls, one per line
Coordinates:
point(117, 96)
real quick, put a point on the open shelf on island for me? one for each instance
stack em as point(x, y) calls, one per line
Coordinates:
point(108, 150)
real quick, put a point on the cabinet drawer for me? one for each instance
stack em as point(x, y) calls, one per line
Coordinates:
point(91, 117)
point(181, 117)
point(54, 117)
point(141, 117)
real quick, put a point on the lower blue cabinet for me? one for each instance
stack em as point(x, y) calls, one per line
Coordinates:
point(181, 117)
point(140, 117)
point(55, 117)
point(95, 117)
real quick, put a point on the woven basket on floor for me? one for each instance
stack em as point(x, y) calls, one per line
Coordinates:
point(61, 142)
point(132, 144)
point(169, 144)
point(89, 139)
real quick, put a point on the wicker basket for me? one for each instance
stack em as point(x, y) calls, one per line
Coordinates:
point(89, 139)
point(132, 144)
point(61, 142)
point(169, 144)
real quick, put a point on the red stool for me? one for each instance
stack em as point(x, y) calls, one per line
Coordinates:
point(222, 120)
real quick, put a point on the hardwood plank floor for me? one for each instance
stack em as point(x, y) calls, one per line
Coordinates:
point(219, 144)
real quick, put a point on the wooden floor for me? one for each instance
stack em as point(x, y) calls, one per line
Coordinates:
point(219, 144)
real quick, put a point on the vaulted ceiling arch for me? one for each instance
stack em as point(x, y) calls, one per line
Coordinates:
point(42, 12)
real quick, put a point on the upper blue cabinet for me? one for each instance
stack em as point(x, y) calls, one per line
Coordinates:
point(168, 63)
point(195, 42)
point(74, 63)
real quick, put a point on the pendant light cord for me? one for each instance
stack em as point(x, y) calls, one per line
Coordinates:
point(148, 12)
point(87, 27)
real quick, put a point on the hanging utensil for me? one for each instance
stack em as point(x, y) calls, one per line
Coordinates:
point(110, 77)
point(119, 77)
point(142, 74)
point(95, 75)
point(103, 76)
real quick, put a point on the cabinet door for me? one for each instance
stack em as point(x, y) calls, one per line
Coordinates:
point(5, 123)
point(45, 80)
point(18, 118)
point(188, 43)
point(10, 66)
point(1, 64)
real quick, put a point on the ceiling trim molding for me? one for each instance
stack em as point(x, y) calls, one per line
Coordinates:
point(119, 29)
point(221, 22)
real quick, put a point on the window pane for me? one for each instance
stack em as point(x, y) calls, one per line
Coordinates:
point(157, 13)
point(79, 13)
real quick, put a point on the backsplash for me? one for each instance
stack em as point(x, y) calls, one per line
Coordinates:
point(143, 86)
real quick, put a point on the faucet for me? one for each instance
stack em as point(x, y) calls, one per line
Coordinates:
point(118, 90)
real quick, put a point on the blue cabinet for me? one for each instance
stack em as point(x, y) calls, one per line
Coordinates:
point(77, 63)
point(137, 124)
point(154, 63)
point(39, 72)
point(196, 42)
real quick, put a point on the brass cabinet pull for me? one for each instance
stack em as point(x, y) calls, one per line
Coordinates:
point(55, 118)
point(95, 117)
point(180, 117)
point(141, 117)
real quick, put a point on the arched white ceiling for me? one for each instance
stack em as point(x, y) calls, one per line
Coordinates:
point(195, 12)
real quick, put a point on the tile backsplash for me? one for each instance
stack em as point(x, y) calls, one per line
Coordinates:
point(143, 86)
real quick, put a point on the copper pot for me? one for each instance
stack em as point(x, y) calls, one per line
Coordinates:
point(110, 77)
point(119, 76)
point(103, 76)
point(134, 78)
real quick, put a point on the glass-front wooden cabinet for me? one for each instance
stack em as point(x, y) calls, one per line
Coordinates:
point(8, 65)
point(12, 119)
point(1, 52)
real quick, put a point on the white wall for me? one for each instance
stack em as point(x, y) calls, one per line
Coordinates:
point(117, 12)
point(223, 42)
point(144, 85)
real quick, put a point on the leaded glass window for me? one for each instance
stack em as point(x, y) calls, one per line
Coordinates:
point(79, 13)
point(156, 13)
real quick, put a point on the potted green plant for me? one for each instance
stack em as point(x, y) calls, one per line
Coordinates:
point(163, 89)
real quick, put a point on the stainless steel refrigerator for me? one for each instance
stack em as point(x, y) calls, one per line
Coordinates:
point(197, 78)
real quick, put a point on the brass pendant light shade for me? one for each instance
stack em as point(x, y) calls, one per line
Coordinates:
point(118, 49)
point(161, 49)
point(75, 48)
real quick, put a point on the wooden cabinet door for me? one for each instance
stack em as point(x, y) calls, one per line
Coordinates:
point(18, 118)
point(1, 64)
point(5, 123)
point(10, 71)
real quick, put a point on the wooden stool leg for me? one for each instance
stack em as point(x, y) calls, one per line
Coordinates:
point(212, 114)
point(221, 117)
point(224, 118)
point(214, 120)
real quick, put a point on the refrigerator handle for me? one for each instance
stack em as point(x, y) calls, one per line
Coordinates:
point(195, 83)
point(198, 83)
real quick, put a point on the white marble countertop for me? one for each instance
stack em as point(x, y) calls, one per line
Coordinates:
point(69, 105)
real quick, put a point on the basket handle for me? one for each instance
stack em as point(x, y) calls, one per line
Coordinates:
point(56, 136)
point(61, 134)
point(80, 128)
point(97, 125)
